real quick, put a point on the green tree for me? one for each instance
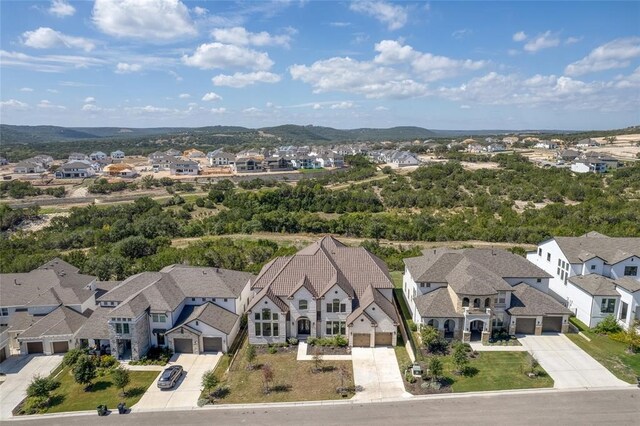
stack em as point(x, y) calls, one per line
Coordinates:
point(209, 380)
point(436, 368)
point(460, 357)
point(121, 378)
point(84, 371)
point(40, 387)
point(250, 356)
point(630, 337)
point(428, 335)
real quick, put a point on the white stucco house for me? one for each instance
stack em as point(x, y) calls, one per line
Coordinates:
point(594, 275)
point(324, 290)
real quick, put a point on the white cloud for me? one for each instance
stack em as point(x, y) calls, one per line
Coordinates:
point(612, 55)
point(14, 104)
point(519, 36)
point(89, 100)
point(393, 15)
point(572, 40)
point(465, 107)
point(342, 105)
point(91, 108)
point(220, 110)
point(52, 91)
point(381, 108)
point(200, 11)
point(219, 55)
point(47, 63)
point(240, 36)
point(316, 106)
point(26, 89)
point(239, 79)
point(47, 38)
point(61, 8)
point(184, 96)
point(175, 75)
point(45, 104)
point(150, 109)
point(150, 20)
point(630, 81)
point(460, 34)
point(542, 41)
point(364, 78)
point(211, 96)
point(124, 68)
point(339, 24)
point(251, 110)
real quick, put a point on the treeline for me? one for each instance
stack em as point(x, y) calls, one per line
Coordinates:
point(21, 189)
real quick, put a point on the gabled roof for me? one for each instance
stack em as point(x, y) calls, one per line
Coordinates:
point(437, 303)
point(595, 285)
point(60, 322)
point(196, 281)
point(132, 307)
point(370, 296)
point(628, 283)
point(96, 326)
point(210, 314)
point(611, 249)
point(304, 282)
point(325, 263)
point(266, 292)
point(528, 300)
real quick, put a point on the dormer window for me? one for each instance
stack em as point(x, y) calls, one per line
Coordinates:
point(303, 305)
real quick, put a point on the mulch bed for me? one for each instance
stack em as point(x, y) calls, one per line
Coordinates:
point(264, 349)
point(329, 350)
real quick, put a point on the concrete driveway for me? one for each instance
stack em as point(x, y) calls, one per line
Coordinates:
point(376, 370)
point(187, 390)
point(19, 371)
point(567, 364)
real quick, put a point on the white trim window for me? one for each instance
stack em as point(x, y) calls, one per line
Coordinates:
point(336, 306)
point(266, 323)
point(334, 328)
point(608, 306)
point(158, 318)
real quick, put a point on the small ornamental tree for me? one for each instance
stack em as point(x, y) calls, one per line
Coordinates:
point(435, 367)
point(251, 356)
point(428, 334)
point(460, 357)
point(343, 374)
point(209, 381)
point(317, 359)
point(267, 376)
point(121, 378)
point(84, 371)
point(40, 387)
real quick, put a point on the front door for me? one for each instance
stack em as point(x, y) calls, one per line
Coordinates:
point(304, 326)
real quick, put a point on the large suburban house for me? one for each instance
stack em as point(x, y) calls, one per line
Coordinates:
point(75, 169)
point(184, 167)
point(465, 294)
point(221, 158)
point(594, 275)
point(594, 163)
point(187, 309)
point(42, 309)
point(324, 290)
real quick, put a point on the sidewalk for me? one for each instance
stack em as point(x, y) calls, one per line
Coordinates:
point(302, 355)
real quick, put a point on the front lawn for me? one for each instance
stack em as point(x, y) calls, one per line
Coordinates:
point(293, 379)
point(70, 396)
point(611, 354)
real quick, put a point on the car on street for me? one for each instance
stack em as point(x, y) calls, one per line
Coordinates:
point(170, 377)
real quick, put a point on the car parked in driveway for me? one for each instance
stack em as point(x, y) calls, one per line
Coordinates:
point(170, 377)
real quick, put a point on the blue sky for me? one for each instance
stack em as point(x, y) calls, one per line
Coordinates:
point(440, 65)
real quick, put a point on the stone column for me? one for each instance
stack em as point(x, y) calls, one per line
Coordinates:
point(538, 325)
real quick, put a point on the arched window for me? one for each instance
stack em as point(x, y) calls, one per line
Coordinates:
point(302, 305)
point(487, 302)
point(433, 323)
point(476, 303)
point(266, 314)
point(465, 302)
point(449, 325)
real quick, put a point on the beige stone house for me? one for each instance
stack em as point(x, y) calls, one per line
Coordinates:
point(324, 290)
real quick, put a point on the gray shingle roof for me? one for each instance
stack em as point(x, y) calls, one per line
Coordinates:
point(628, 284)
point(437, 304)
point(527, 300)
point(96, 327)
point(20, 321)
point(210, 314)
point(208, 282)
point(595, 285)
point(611, 249)
point(325, 263)
point(60, 322)
point(132, 307)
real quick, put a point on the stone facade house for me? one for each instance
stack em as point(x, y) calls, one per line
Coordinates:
point(466, 294)
point(594, 275)
point(324, 290)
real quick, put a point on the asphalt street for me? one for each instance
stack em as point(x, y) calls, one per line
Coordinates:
point(612, 407)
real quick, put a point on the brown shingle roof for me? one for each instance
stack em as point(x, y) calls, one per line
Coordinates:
point(527, 300)
point(437, 304)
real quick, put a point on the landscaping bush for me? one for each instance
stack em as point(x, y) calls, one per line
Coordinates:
point(155, 356)
point(106, 361)
point(409, 377)
point(608, 325)
point(412, 325)
point(340, 341)
point(41, 387)
point(630, 337)
point(35, 405)
point(293, 341)
point(71, 357)
point(272, 350)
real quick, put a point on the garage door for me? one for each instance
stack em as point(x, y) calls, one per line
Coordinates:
point(60, 347)
point(552, 324)
point(361, 340)
point(34, 348)
point(526, 325)
point(212, 344)
point(3, 354)
point(384, 339)
point(183, 346)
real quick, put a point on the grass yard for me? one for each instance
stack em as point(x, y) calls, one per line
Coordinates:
point(70, 396)
point(396, 276)
point(611, 354)
point(497, 371)
point(301, 384)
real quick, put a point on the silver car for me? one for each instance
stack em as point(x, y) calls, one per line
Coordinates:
point(170, 377)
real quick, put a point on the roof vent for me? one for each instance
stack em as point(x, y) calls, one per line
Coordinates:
point(15, 281)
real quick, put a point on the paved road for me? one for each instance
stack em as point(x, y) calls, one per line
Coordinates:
point(611, 407)
point(187, 391)
point(20, 370)
point(376, 370)
point(567, 364)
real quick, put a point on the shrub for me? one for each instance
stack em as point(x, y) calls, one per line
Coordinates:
point(121, 378)
point(107, 361)
point(293, 341)
point(71, 357)
point(84, 370)
point(33, 405)
point(272, 350)
point(428, 335)
point(250, 355)
point(220, 392)
point(608, 325)
point(41, 387)
point(436, 367)
point(409, 377)
point(340, 341)
point(412, 325)
point(312, 341)
point(460, 357)
point(209, 380)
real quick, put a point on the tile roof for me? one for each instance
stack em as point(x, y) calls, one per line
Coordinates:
point(595, 285)
point(437, 304)
point(266, 292)
point(60, 322)
point(610, 249)
point(210, 314)
point(325, 263)
point(370, 296)
point(527, 300)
